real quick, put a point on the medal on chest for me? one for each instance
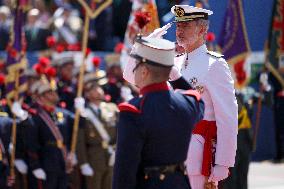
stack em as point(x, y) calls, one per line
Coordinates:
point(194, 82)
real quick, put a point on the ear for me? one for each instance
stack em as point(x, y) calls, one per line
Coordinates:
point(145, 71)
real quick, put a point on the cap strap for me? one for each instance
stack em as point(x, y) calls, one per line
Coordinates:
point(144, 60)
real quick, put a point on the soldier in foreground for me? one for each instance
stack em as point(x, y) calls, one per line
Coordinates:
point(154, 129)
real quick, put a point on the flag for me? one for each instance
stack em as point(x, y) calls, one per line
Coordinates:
point(16, 59)
point(276, 36)
point(233, 41)
point(132, 27)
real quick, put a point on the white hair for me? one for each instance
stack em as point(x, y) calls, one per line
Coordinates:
point(205, 24)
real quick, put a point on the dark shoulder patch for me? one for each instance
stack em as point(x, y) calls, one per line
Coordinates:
point(178, 55)
point(126, 107)
point(193, 93)
point(215, 54)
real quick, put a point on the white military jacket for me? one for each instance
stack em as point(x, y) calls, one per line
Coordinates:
point(211, 76)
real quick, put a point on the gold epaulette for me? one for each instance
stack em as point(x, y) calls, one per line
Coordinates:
point(215, 54)
point(4, 114)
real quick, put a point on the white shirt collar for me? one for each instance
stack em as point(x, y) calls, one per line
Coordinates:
point(94, 107)
point(199, 50)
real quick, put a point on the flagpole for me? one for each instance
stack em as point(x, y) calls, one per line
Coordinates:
point(80, 82)
point(14, 129)
point(88, 15)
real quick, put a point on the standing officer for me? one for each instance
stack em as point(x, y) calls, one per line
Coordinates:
point(65, 86)
point(49, 139)
point(4, 165)
point(154, 129)
point(95, 144)
point(5, 141)
point(209, 73)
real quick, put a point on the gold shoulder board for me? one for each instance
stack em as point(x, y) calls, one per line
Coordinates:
point(215, 54)
point(178, 55)
point(3, 114)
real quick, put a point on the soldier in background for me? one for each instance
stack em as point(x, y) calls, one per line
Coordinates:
point(32, 77)
point(278, 93)
point(21, 169)
point(67, 24)
point(238, 178)
point(35, 32)
point(97, 137)
point(4, 162)
point(115, 82)
point(49, 141)
point(5, 25)
point(65, 86)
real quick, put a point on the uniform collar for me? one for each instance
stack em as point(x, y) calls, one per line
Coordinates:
point(49, 109)
point(163, 86)
point(94, 106)
point(199, 50)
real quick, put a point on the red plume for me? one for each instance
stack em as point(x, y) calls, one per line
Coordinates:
point(39, 69)
point(118, 47)
point(12, 52)
point(2, 65)
point(240, 72)
point(60, 48)
point(210, 37)
point(107, 98)
point(142, 18)
point(96, 61)
point(43, 61)
point(2, 78)
point(50, 71)
point(88, 51)
point(50, 41)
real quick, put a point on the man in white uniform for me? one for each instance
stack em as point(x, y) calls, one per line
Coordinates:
point(212, 148)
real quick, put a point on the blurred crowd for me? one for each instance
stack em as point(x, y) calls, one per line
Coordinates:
point(63, 19)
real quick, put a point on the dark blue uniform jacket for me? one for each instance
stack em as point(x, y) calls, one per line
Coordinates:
point(155, 130)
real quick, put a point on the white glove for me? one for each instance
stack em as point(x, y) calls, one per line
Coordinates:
point(218, 173)
point(175, 73)
point(125, 93)
point(21, 166)
point(128, 74)
point(39, 174)
point(18, 111)
point(112, 156)
point(159, 32)
point(10, 148)
point(263, 79)
point(79, 104)
point(86, 170)
point(72, 158)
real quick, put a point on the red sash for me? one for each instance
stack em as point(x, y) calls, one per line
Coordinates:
point(55, 131)
point(208, 130)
